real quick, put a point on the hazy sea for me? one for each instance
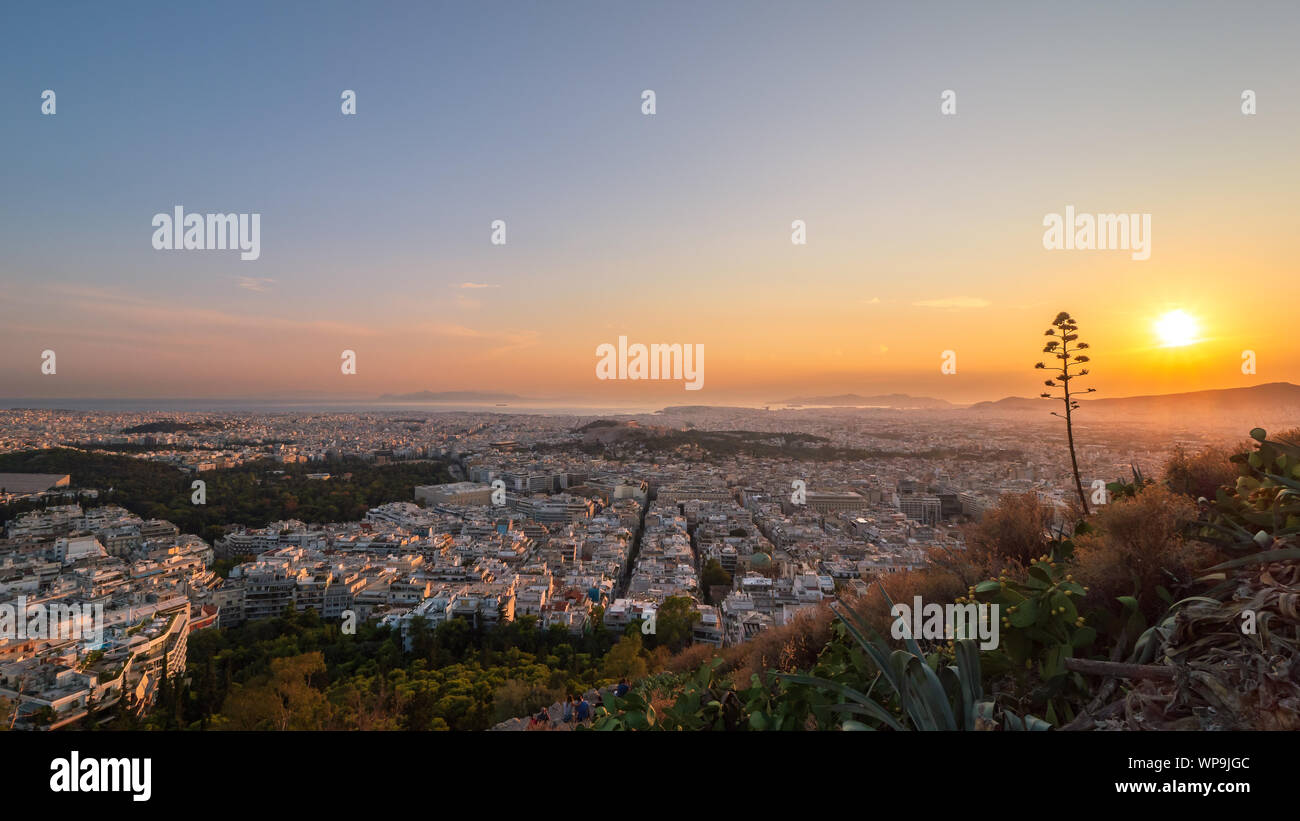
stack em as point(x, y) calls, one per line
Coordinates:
point(313, 406)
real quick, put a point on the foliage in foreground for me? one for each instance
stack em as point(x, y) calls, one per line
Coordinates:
point(297, 672)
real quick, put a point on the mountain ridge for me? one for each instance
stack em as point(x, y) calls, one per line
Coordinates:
point(1250, 397)
point(889, 400)
point(450, 396)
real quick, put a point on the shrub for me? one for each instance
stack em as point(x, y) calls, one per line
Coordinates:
point(1013, 532)
point(1202, 474)
point(1041, 627)
point(794, 646)
point(1136, 546)
point(517, 698)
point(691, 658)
point(936, 585)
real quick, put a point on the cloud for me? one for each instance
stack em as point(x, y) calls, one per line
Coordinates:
point(490, 343)
point(257, 284)
point(476, 285)
point(954, 302)
point(171, 317)
point(875, 300)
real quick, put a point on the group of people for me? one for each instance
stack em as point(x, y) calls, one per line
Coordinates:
point(577, 710)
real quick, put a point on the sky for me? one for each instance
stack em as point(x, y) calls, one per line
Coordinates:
point(924, 230)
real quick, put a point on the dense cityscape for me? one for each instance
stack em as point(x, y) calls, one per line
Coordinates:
point(750, 515)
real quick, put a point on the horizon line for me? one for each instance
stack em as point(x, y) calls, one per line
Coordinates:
point(575, 402)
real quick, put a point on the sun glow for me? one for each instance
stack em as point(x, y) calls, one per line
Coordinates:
point(1176, 328)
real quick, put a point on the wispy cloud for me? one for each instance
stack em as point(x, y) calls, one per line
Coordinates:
point(169, 316)
point(875, 300)
point(492, 343)
point(954, 302)
point(258, 284)
point(476, 285)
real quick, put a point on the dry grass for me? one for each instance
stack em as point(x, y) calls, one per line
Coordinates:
point(796, 646)
point(936, 585)
point(1291, 436)
point(1010, 535)
point(1204, 472)
point(791, 647)
point(1137, 544)
point(691, 658)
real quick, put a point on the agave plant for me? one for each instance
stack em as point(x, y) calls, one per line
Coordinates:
point(1121, 489)
point(926, 694)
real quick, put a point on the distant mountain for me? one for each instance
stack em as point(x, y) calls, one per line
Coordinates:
point(703, 408)
point(892, 400)
point(448, 396)
point(1272, 397)
point(1011, 403)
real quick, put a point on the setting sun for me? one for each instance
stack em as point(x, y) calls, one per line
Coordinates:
point(1176, 328)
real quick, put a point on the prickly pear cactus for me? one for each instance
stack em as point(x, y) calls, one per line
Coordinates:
point(1263, 511)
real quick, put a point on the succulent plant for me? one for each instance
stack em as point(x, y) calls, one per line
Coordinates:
point(1263, 511)
point(920, 692)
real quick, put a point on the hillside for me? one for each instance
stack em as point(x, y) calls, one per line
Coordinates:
point(1259, 400)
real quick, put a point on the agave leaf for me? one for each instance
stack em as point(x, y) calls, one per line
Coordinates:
point(1285, 554)
point(968, 677)
point(929, 700)
point(908, 639)
point(862, 702)
point(1028, 723)
point(1189, 600)
point(877, 650)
